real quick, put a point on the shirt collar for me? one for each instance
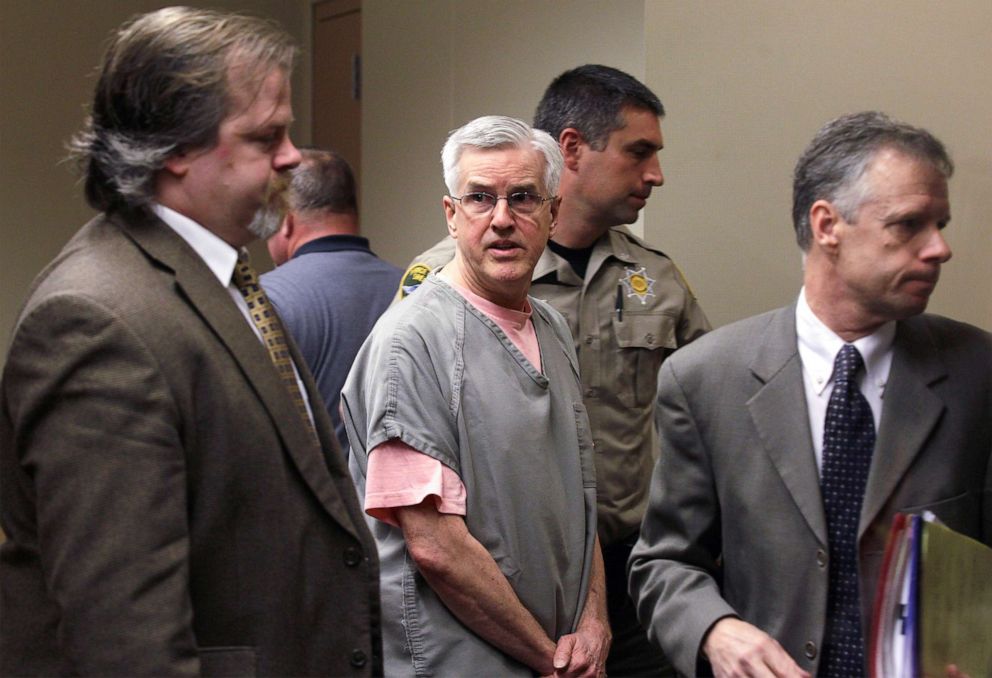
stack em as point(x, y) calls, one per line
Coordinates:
point(818, 347)
point(614, 244)
point(514, 318)
point(333, 243)
point(219, 256)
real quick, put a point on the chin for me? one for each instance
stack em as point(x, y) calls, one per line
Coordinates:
point(904, 310)
point(627, 217)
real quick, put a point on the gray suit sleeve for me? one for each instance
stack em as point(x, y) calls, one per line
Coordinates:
point(97, 435)
point(674, 566)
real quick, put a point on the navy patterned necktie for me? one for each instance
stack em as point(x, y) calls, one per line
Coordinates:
point(848, 442)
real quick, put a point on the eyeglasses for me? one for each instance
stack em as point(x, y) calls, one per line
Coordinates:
point(479, 203)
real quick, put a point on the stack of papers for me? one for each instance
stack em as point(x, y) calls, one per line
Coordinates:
point(933, 605)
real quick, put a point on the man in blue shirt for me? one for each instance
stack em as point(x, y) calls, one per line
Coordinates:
point(328, 287)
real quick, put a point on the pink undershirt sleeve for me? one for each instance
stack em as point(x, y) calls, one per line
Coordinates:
point(398, 475)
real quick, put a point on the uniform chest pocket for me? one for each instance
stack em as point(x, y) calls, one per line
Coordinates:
point(643, 340)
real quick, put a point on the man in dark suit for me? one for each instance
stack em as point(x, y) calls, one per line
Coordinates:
point(762, 544)
point(173, 502)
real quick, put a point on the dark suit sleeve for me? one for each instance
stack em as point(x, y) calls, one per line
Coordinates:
point(673, 567)
point(98, 444)
point(987, 499)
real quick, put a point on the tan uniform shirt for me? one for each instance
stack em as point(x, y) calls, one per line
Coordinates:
point(632, 310)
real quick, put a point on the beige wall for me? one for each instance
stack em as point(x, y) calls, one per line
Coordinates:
point(432, 65)
point(49, 50)
point(747, 84)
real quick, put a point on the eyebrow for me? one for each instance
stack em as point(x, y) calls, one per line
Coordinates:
point(642, 144)
point(479, 187)
point(901, 214)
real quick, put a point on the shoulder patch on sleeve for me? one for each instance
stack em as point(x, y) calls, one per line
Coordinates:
point(412, 278)
point(684, 280)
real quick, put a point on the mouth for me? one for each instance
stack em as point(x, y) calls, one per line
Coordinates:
point(277, 192)
point(925, 283)
point(504, 247)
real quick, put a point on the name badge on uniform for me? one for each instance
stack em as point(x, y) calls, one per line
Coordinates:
point(637, 283)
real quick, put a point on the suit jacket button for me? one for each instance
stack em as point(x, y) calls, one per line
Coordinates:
point(821, 558)
point(352, 556)
point(358, 658)
point(809, 649)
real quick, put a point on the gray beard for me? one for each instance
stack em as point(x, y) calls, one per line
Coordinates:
point(266, 222)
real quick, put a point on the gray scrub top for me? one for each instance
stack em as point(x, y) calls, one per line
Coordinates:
point(441, 376)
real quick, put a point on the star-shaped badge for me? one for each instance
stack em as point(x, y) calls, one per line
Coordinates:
point(638, 284)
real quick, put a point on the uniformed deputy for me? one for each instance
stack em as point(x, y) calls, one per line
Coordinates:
point(626, 303)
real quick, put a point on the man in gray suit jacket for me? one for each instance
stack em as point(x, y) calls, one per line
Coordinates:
point(738, 549)
point(169, 509)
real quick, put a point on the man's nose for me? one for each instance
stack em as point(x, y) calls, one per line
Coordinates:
point(653, 174)
point(937, 247)
point(287, 155)
point(502, 215)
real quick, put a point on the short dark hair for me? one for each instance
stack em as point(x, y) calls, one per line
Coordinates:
point(322, 182)
point(834, 164)
point(591, 98)
point(165, 87)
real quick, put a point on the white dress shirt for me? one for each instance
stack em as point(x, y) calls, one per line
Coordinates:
point(818, 347)
point(221, 259)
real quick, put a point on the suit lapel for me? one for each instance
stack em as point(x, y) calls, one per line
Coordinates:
point(910, 411)
point(778, 410)
point(214, 305)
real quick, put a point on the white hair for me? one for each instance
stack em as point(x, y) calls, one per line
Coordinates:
point(495, 132)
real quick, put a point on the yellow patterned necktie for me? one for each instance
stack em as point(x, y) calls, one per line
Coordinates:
point(273, 336)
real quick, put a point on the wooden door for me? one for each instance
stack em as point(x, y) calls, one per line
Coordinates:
point(337, 80)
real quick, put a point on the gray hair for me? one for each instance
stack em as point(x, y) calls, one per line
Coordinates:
point(498, 132)
point(834, 165)
point(322, 182)
point(167, 81)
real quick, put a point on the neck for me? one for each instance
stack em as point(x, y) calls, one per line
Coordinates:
point(173, 192)
point(574, 230)
point(577, 227)
point(308, 230)
point(845, 318)
point(511, 297)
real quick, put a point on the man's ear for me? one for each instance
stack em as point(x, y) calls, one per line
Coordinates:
point(825, 223)
point(288, 226)
point(572, 145)
point(555, 204)
point(449, 215)
point(178, 164)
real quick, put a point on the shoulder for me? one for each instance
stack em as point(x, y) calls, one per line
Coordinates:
point(656, 263)
point(737, 342)
point(953, 340)
point(947, 330)
point(432, 313)
point(418, 335)
point(425, 262)
point(546, 312)
point(621, 236)
point(99, 264)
